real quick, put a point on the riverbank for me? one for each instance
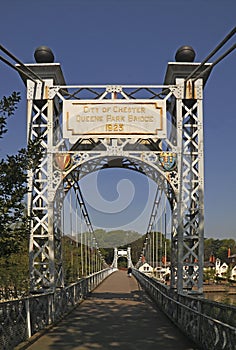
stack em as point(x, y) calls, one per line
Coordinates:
point(219, 287)
point(221, 293)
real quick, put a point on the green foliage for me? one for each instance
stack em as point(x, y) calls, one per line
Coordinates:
point(13, 185)
point(219, 248)
point(158, 243)
point(136, 248)
point(71, 260)
point(209, 275)
point(116, 238)
point(14, 273)
point(119, 239)
point(108, 254)
point(122, 263)
point(8, 105)
point(14, 223)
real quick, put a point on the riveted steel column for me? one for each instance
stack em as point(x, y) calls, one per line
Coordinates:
point(41, 237)
point(51, 195)
point(178, 239)
point(41, 200)
point(115, 260)
point(191, 186)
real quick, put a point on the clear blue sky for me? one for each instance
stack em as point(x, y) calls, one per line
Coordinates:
point(131, 42)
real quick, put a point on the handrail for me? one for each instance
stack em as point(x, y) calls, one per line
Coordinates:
point(189, 313)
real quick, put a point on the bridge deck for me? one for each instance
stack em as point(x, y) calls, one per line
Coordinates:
point(117, 315)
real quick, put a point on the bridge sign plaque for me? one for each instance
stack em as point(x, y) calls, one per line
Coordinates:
point(114, 118)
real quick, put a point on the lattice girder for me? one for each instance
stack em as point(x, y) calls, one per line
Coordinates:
point(190, 207)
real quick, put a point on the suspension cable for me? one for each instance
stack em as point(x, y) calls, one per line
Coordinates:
point(28, 70)
point(28, 73)
point(218, 47)
point(84, 212)
point(216, 61)
point(8, 53)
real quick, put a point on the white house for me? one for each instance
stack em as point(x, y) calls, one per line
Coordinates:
point(233, 273)
point(222, 270)
point(146, 268)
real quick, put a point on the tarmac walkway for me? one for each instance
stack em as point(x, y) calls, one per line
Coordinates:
point(117, 315)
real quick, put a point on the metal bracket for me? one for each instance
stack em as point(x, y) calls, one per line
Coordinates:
point(179, 90)
point(39, 90)
point(114, 88)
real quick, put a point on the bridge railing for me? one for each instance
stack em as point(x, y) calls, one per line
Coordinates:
point(20, 319)
point(209, 324)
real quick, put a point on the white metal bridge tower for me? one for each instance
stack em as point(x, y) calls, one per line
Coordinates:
point(122, 253)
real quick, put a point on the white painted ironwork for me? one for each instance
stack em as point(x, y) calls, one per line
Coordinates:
point(174, 162)
point(126, 253)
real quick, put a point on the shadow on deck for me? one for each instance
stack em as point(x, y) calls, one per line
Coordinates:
point(117, 315)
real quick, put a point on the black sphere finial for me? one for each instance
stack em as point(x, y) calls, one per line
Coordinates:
point(185, 54)
point(43, 54)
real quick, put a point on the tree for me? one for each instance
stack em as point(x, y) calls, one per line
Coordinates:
point(13, 184)
point(8, 106)
point(219, 248)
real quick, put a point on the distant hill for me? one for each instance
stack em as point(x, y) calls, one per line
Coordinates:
point(116, 238)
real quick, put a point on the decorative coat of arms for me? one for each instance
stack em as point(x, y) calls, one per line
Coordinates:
point(168, 160)
point(63, 161)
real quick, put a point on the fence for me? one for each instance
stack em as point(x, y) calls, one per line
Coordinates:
point(22, 318)
point(209, 324)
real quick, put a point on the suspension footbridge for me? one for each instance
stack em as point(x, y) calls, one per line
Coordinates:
point(157, 131)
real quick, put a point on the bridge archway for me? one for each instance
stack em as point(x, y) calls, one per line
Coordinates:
point(120, 253)
point(166, 181)
point(74, 175)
